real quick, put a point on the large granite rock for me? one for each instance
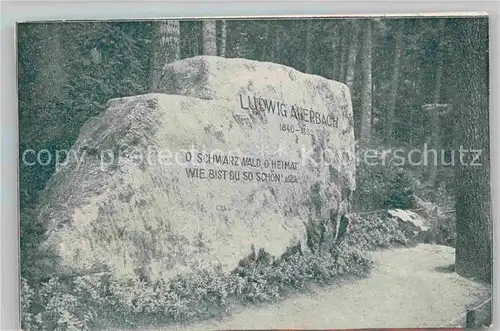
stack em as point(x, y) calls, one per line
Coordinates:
point(161, 184)
point(310, 105)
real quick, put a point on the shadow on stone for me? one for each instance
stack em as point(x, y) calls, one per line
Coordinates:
point(446, 269)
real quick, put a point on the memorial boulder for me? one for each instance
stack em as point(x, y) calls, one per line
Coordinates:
point(228, 154)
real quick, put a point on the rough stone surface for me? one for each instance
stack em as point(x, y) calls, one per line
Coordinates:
point(410, 221)
point(124, 202)
point(236, 80)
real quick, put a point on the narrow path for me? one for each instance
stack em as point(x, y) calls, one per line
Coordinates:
point(407, 288)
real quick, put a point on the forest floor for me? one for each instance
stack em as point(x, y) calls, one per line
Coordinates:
point(408, 287)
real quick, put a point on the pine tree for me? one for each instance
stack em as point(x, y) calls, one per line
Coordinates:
point(209, 37)
point(352, 55)
point(366, 93)
point(390, 117)
point(166, 47)
point(308, 46)
point(473, 200)
point(223, 38)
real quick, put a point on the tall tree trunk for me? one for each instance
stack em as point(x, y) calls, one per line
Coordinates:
point(267, 42)
point(439, 65)
point(197, 38)
point(272, 40)
point(391, 105)
point(435, 118)
point(166, 48)
point(276, 34)
point(420, 62)
point(309, 43)
point(336, 51)
point(352, 55)
point(51, 77)
point(344, 32)
point(473, 205)
point(209, 36)
point(223, 38)
point(366, 93)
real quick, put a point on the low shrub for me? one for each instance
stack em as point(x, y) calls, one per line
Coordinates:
point(381, 186)
point(100, 301)
point(372, 231)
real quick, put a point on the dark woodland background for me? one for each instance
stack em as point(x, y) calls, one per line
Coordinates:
point(413, 81)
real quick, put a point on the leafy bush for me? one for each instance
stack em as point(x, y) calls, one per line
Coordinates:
point(98, 301)
point(31, 321)
point(385, 181)
point(382, 186)
point(372, 231)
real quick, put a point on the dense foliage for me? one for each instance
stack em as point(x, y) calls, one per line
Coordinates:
point(67, 74)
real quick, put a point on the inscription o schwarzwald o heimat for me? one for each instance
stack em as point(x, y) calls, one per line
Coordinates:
point(239, 161)
point(280, 108)
point(267, 172)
